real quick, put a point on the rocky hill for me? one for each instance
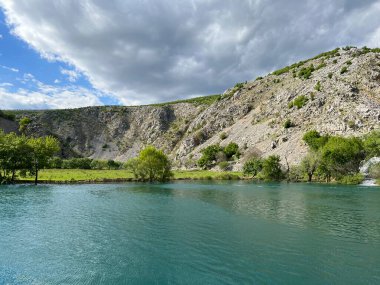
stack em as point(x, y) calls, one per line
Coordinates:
point(337, 92)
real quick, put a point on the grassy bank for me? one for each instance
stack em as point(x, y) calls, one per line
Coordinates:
point(84, 175)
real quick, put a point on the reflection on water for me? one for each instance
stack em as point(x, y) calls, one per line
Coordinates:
point(200, 232)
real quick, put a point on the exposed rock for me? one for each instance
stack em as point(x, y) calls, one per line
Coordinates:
point(253, 116)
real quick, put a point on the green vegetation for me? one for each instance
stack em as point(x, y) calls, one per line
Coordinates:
point(268, 169)
point(203, 100)
point(150, 165)
point(215, 154)
point(223, 136)
point(318, 86)
point(299, 102)
point(330, 75)
point(23, 123)
point(7, 115)
point(343, 70)
point(20, 154)
point(288, 124)
point(333, 157)
point(371, 144)
point(306, 72)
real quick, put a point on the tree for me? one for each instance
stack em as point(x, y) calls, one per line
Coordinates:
point(231, 149)
point(272, 168)
point(314, 140)
point(151, 165)
point(42, 149)
point(209, 155)
point(23, 123)
point(371, 144)
point(309, 164)
point(253, 166)
point(341, 156)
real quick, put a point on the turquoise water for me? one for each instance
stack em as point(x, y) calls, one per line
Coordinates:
point(189, 233)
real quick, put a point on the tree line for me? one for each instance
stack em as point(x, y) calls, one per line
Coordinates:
point(26, 155)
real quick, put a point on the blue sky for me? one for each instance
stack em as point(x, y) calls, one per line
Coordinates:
point(65, 54)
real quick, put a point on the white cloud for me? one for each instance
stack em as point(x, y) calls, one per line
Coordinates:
point(9, 68)
point(1, 36)
point(71, 74)
point(46, 96)
point(145, 51)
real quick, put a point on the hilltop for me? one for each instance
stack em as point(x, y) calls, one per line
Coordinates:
point(336, 92)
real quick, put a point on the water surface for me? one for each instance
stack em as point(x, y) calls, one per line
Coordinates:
point(190, 233)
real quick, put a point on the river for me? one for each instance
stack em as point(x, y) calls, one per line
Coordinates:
point(190, 233)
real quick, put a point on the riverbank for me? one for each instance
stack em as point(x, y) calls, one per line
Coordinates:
point(63, 176)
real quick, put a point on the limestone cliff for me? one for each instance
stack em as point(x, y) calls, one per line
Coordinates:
point(337, 93)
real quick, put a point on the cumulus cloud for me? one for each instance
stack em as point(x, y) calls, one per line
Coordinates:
point(37, 95)
point(72, 75)
point(149, 51)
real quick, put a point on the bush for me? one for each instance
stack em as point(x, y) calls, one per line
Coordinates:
point(371, 144)
point(318, 86)
point(209, 156)
point(23, 123)
point(348, 62)
point(335, 61)
point(288, 124)
point(55, 163)
point(314, 140)
point(223, 165)
point(295, 174)
point(330, 75)
point(306, 72)
point(77, 163)
point(231, 149)
point(253, 166)
point(272, 168)
point(300, 101)
point(151, 165)
point(343, 70)
point(353, 179)
point(374, 171)
point(223, 136)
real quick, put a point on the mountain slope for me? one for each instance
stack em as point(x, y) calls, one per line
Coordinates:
point(337, 92)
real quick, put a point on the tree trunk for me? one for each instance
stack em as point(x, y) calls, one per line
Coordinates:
point(13, 175)
point(310, 177)
point(36, 177)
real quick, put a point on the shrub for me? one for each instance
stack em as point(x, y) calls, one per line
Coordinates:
point(295, 173)
point(371, 144)
point(253, 166)
point(312, 96)
point(223, 165)
point(223, 136)
point(348, 62)
point(314, 140)
point(288, 124)
point(300, 101)
point(374, 171)
point(343, 70)
point(231, 149)
point(272, 168)
point(209, 155)
point(23, 123)
point(151, 165)
point(330, 75)
point(306, 72)
point(352, 179)
point(318, 86)
point(335, 61)
point(55, 162)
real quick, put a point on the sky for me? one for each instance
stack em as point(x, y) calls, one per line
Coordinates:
point(70, 53)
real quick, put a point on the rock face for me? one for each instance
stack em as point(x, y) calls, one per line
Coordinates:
point(252, 115)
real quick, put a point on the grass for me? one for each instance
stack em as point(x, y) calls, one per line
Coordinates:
point(85, 175)
point(203, 100)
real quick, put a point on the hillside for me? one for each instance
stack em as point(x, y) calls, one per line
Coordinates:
point(337, 92)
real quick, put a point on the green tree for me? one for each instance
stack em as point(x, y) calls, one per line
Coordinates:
point(253, 166)
point(23, 123)
point(309, 165)
point(151, 165)
point(341, 156)
point(272, 168)
point(314, 140)
point(209, 155)
point(371, 144)
point(42, 149)
point(231, 149)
